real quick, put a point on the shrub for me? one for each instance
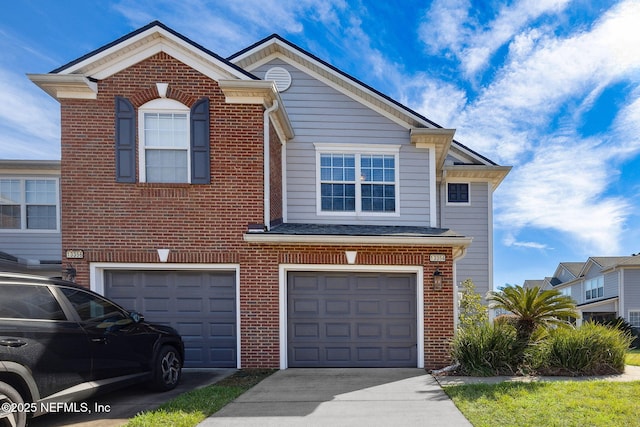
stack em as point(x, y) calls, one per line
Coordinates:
point(591, 349)
point(486, 349)
point(472, 312)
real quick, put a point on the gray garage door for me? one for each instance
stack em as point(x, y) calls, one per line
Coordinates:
point(200, 305)
point(351, 320)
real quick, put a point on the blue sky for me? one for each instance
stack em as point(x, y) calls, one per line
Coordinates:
point(551, 88)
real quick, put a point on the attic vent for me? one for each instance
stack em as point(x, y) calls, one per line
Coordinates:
point(280, 76)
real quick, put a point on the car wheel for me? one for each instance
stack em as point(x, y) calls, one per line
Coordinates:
point(167, 370)
point(10, 402)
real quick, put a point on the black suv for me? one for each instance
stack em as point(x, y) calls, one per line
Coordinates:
point(60, 343)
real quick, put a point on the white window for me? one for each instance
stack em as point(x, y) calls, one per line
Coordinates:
point(565, 292)
point(594, 288)
point(164, 141)
point(634, 318)
point(29, 204)
point(357, 180)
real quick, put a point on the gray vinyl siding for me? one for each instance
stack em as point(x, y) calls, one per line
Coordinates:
point(631, 298)
point(611, 284)
point(472, 220)
point(565, 276)
point(32, 245)
point(321, 114)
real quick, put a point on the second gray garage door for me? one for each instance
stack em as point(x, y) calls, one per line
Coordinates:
point(200, 305)
point(351, 320)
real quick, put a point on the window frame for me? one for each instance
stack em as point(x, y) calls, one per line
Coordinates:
point(162, 106)
point(23, 203)
point(635, 312)
point(357, 150)
point(454, 203)
point(594, 284)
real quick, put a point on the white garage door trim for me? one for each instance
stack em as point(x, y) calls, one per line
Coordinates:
point(97, 269)
point(286, 268)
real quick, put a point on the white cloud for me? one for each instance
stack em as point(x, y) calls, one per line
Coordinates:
point(29, 119)
point(510, 240)
point(449, 27)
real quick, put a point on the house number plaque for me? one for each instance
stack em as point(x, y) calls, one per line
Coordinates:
point(437, 257)
point(75, 254)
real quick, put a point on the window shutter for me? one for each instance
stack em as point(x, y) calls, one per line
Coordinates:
point(200, 162)
point(125, 141)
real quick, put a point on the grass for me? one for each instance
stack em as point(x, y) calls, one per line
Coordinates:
point(191, 408)
point(633, 358)
point(561, 403)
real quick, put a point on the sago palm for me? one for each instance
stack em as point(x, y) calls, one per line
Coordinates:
point(533, 307)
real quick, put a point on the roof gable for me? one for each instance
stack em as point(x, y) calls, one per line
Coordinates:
point(77, 78)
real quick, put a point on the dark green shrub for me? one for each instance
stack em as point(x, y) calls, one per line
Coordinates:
point(591, 349)
point(486, 349)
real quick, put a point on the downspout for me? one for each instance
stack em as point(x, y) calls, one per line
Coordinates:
point(267, 167)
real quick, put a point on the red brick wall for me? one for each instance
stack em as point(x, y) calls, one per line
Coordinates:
point(126, 223)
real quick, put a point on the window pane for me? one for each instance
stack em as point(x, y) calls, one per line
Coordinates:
point(92, 308)
point(29, 302)
point(10, 192)
point(165, 130)
point(41, 217)
point(337, 197)
point(40, 191)
point(10, 217)
point(166, 165)
point(378, 198)
point(458, 193)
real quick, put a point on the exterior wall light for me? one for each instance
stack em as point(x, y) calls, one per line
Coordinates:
point(437, 280)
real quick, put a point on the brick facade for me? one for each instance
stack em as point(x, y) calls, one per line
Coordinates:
point(126, 223)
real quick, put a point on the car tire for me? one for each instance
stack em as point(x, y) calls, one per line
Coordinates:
point(167, 370)
point(10, 402)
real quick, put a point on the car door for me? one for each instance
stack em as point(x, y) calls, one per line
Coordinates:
point(35, 333)
point(119, 345)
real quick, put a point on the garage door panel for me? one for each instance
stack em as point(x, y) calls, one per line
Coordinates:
point(364, 324)
point(201, 306)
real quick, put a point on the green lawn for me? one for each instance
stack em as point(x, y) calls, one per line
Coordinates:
point(633, 358)
point(189, 409)
point(561, 403)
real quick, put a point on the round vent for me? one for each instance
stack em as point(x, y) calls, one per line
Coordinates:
point(280, 76)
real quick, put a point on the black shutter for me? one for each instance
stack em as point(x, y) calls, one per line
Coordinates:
point(200, 162)
point(125, 141)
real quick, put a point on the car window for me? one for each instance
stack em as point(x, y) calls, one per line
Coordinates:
point(29, 302)
point(92, 308)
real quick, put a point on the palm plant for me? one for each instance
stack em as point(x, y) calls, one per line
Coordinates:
point(533, 307)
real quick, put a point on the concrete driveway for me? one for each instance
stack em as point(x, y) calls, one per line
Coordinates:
point(342, 397)
point(117, 407)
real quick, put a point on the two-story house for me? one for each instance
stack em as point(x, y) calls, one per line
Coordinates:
point(30, 238)
point(275, 210)
point(604, 288)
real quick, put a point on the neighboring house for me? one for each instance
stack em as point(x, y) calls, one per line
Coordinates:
point(30, 238)
point(275, 210)
point(604, 288)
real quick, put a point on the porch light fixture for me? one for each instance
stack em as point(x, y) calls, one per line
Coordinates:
point(69, 273)
point(437, 280)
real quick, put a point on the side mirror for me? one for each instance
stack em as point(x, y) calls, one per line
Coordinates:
point(136, 317)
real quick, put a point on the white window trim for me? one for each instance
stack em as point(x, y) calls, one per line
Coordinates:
point(23, 204)
point(163, 105)
point(633, 310)
point(284, 269)
point(448, 203)
point(357, 150)
point(584, 290)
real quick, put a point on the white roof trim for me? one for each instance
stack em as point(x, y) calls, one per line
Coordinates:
point(148, 43)
point(331, 78)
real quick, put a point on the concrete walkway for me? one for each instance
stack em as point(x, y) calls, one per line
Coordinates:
point(342, 397)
